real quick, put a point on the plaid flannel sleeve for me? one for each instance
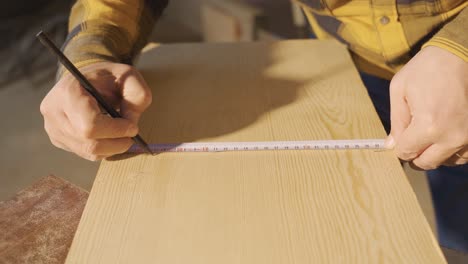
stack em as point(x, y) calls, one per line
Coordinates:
point(453, 36)
point(109, 30)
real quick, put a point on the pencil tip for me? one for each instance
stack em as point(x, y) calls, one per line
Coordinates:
point(149, 150)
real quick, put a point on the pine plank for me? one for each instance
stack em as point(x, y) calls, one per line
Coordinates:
point(254, 207)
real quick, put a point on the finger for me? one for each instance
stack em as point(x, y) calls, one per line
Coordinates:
point(55, 125)
point(89, 123)
point(80, 106)
point(101, 148)
point(107, 147)
point(412, 142)
point(460, 161)
point(104, 126)
point(414, 167)
point(54, 138)
point(136, 95)
point(455, 161)
point(434, 156)
point(400, 115)
point(459, 158)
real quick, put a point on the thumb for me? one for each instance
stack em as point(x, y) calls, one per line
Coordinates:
point(400, 114)
point(136, 96)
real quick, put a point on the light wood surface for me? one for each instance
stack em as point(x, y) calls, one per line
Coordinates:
point(254, 207)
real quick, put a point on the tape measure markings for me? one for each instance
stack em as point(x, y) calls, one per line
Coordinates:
point(263, 146)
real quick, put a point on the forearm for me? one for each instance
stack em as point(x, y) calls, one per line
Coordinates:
point(112, 30)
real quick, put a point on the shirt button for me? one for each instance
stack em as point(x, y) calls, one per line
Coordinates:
point(384, 20)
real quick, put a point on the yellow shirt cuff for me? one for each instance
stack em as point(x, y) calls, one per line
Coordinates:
point(449, 46)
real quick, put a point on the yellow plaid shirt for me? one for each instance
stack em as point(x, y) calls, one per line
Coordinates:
point(382, 35)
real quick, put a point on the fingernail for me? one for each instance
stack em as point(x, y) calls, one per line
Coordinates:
point(389, 142)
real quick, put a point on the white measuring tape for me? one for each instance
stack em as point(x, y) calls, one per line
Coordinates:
point(265, 145)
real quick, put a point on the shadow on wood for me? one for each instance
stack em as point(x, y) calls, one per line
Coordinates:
point(184, 111)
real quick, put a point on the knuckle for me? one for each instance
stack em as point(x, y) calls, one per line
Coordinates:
point(395, 82)
point(44, 108)
point(86, 130)
point(94, 158)
point(91, 157)
point(428, 124)
point(406, 154)
point(90, 148)
point(52, 136)
point(85, 123)
point(48, 128)
point(55, 142)
point(432, 126)
point(432, 130)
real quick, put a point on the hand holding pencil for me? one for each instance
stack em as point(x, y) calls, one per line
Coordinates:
point(73, 118)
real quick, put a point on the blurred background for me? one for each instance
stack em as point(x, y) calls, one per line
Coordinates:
point(28, 71)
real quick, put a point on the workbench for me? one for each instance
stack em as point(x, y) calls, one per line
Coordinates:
point(37, 225)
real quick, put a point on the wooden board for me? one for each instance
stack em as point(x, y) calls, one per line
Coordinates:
point(254, 207)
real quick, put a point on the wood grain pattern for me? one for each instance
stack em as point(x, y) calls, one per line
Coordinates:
point(254, 207)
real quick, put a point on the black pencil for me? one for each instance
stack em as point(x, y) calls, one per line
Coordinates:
point(86, 84)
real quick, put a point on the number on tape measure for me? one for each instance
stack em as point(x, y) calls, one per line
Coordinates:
point(263, 145)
